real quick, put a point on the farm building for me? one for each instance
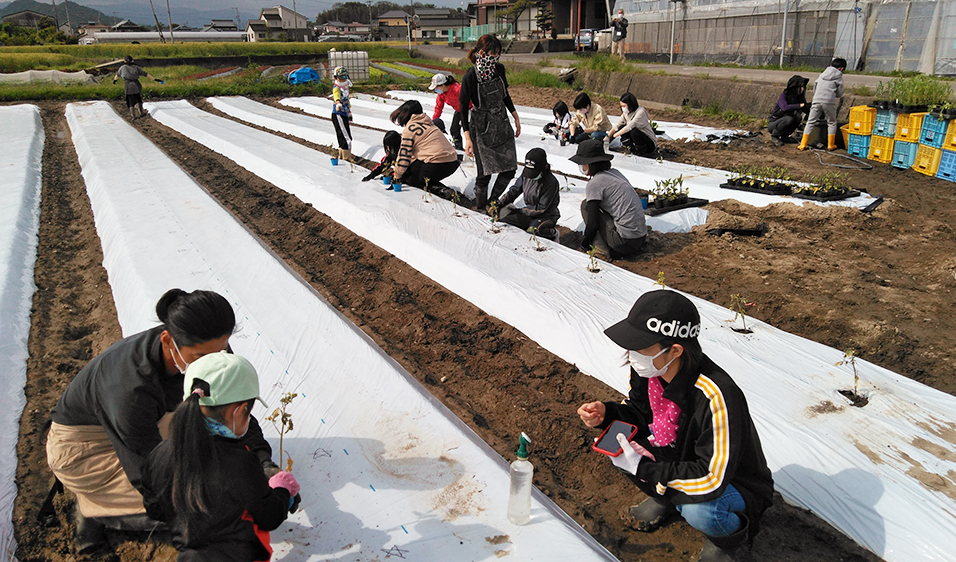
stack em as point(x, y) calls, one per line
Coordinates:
point(875, 35)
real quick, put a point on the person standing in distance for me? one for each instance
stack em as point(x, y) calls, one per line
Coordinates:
point(130, 73)
point(619, 34)
point(696, 451)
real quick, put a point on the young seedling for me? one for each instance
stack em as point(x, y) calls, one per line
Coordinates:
point(849, 357)
point(425, 197)
point(660, 280)
point(534, 238)
point(455, 200)
point(737, 304)
point(282, 420)
point(593, 266)
point(493, 212)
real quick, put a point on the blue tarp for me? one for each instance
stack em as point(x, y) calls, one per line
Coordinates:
point(303, 75)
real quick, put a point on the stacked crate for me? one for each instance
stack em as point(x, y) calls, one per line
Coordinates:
point(908, 128)
point(937, 148)
point(860, 128)
point(884, 133)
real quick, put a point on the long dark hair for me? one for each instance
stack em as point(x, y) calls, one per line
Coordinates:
point(196, 317)
point(405, 111)
point(392, 141)
point(560, 109)
point(487, 43)
point(631, 101)
point(583, 100)
point(195, 459)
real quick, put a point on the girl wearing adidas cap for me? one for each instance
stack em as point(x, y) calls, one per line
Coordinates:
point(204, 482)
point(697, 451)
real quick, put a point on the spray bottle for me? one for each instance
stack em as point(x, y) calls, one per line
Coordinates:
point(522, 471)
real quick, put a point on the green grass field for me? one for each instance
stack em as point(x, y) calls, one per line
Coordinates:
point(248, 82)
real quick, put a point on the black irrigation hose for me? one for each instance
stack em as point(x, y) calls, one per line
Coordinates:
point(864, 166)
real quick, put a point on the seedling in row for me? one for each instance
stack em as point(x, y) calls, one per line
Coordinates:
point(282, 420)
point(593, 266)
point(737, 304)
point(849, 358)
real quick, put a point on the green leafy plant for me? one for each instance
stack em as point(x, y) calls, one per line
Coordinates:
point(534, 238)
point(593, 266)
point(282, 420)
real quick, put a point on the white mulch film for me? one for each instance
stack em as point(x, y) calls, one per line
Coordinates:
point(20, 185)
point(882, 474)
point(386, 470)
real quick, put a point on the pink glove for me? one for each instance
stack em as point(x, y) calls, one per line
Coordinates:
point(285, 480)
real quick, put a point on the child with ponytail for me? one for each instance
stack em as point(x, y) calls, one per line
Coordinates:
point(203, 482)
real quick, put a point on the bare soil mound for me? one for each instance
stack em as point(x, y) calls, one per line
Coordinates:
point(877, 283)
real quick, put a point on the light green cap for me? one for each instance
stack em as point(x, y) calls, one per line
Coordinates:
point(231, 379)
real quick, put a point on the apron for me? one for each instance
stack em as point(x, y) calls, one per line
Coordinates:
point(492, 135)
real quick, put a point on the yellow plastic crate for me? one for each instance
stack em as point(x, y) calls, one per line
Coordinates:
point(881, 149)
point(908, 126)
point(927, 160)
point(861, 120)
point(950, 142)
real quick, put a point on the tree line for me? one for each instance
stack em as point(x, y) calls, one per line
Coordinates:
point(362, 12)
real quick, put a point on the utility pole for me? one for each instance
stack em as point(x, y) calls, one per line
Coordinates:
point(56, 21)
point(295, 23)
point(66, 6)
point(783, 32)
point(159, 26)
point(170, 17)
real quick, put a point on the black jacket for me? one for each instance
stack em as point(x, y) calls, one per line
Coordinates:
point(716, 445)
point(468, 96)
point(127, 390)
point(541, 197)
point(239, 495)
point(791, 98)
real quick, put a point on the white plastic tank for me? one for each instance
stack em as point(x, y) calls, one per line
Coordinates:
point(356, 62)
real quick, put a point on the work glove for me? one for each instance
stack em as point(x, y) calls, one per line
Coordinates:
point(630, 456)
point(158, 80)
point(338, 107)
point(283, 479)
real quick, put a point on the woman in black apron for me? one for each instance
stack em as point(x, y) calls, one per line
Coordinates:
point(487, 130)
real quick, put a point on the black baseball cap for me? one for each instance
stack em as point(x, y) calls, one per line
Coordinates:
point(535, 162)
point(591, 151)
point(656, 316)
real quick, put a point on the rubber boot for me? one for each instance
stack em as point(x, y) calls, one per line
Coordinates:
point(90, 534)
point(803, 142)
point(731, 548)
point(345, 154)
point(137, 522)
point(651, 513)
point(831, 142)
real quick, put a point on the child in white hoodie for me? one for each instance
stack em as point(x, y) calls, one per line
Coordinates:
point(827, 90)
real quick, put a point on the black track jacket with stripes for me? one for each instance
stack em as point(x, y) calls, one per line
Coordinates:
point(716, 444)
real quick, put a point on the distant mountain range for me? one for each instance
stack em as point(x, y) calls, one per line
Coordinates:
point(182, 15)
point(141, 14)
point(78, 15)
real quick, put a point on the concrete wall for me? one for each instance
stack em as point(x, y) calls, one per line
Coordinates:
point(745, 97)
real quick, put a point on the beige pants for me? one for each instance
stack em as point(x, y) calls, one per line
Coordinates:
point(83, 458)
point(617, 47)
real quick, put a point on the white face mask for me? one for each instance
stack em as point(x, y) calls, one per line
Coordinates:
point(182, 369)
point(643, 365)
point(584, 168)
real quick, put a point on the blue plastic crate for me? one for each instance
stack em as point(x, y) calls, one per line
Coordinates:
point(885, 124)
point(904, 154)
point(947, 166)
point(933, 132)
point(859, 145)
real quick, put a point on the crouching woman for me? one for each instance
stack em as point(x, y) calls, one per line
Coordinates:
point(204, 482)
